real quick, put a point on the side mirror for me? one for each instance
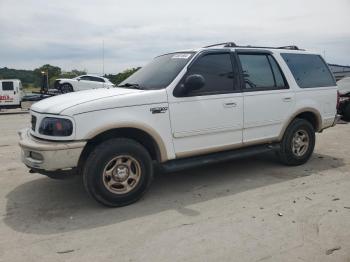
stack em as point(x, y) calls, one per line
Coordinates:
point(194, 82)
point(78, 79)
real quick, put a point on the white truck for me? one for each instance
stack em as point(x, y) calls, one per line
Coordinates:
point(183, 109)
point(10, 93)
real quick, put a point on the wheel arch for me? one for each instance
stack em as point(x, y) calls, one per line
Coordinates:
point(151, 141)
point(310, 114)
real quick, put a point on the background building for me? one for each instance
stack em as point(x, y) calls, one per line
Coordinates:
point(339, 71)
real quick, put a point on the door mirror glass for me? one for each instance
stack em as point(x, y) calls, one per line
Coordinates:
point(194, 82)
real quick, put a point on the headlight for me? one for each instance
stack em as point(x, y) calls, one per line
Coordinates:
point(56, 127)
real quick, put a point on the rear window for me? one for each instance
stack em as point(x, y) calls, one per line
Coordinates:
point(7, 86)
point(309, 70)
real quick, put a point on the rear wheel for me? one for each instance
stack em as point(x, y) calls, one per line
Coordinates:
point(66, 88)
point(346, 112)
point(118, 172)
point(298, 143)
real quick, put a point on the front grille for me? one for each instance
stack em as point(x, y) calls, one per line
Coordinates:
point(33, 121)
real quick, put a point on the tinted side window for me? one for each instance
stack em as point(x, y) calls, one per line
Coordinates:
point(87, 78)
point(7, 86)
point(261, 72)
point(217, 71)
point(309, 70)
point(96, 79)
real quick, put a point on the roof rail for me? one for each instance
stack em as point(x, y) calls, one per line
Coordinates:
point(290, 47)
point(232, 44)
point(226, 44)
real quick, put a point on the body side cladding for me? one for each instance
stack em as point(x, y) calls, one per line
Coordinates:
point(316, 113)
point(148, 130)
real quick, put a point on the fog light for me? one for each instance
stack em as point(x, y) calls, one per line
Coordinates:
point(36, 156)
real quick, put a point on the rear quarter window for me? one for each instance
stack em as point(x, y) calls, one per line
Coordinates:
point(309, 70)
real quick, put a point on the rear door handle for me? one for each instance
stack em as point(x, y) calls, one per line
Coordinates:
point(230, 104)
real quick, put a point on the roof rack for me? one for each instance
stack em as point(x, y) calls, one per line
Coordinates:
point(232, 44)
point(290, 47)
point(226, 44)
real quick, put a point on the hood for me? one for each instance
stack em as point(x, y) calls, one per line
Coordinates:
point(59, 103)
point(64, 79)
point(344, 86)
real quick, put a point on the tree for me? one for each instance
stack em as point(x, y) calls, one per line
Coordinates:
point(120, 77)
point(73, 73)
point(53, 71)
point(26, 76)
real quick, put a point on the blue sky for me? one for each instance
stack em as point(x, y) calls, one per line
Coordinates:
point(70, 33)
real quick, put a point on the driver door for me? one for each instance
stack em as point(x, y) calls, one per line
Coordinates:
point(211, 118)
point(85, 83)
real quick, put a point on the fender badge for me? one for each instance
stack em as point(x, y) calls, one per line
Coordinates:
point(158, 110)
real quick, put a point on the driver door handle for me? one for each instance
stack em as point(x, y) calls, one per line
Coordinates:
point(287, 99)
point(230, 104)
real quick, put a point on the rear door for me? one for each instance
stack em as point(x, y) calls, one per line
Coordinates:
point(268, 100)
point(211, 118)
point(86, 82)
point(9, 94)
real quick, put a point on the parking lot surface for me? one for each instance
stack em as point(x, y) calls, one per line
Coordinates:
point(251, 209)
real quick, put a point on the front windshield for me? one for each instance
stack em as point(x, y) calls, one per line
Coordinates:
point(159, 73)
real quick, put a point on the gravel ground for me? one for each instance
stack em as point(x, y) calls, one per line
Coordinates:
point(252, 209)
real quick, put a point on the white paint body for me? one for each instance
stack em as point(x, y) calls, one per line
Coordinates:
point(191, 125)
point(13, 96)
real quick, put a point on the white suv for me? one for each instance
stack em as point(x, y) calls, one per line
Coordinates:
point(183, 109)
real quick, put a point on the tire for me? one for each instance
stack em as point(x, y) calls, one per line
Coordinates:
point(66, 88)
point(299, 132)
point(118, 172)
point(346, 112)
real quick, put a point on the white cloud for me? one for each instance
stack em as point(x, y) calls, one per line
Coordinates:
point(70, 33)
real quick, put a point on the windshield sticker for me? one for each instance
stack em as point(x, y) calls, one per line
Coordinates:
point(181, 56)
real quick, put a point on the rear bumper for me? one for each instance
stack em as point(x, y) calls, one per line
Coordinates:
point(336, 119)
point(49, 155)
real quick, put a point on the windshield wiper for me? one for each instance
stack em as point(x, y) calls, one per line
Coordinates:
point(132, 85)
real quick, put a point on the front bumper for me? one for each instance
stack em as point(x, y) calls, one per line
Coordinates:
point(49, 155)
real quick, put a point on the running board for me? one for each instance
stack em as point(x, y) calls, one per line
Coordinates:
point(185, 163)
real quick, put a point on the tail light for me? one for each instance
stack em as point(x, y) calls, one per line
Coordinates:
point(338, 100)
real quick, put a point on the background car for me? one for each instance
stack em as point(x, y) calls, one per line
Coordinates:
point(83, 82)
point(344, 101)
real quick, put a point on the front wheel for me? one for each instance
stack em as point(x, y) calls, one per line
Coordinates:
point(118, 172)
point(298, 143)
point(66, 88)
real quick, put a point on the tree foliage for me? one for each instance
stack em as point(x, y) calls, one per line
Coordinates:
point(72, 74)
point(53, 73)
point(120, 77)
point(26, 76)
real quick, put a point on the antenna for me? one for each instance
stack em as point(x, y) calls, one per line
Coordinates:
point(103, 57)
